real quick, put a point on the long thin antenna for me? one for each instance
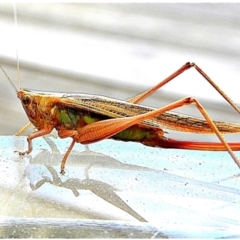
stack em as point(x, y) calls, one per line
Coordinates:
point(9, 79)
point(16, 29)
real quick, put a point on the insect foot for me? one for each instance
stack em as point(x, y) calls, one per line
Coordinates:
point(62, 172)
point(23, 153)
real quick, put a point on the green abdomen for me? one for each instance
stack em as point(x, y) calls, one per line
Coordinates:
point(70, 118)
point(136, 133)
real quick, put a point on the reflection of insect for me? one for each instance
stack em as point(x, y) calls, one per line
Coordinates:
point(91, 118)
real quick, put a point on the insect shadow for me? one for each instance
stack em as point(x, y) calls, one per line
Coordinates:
point(41, 171)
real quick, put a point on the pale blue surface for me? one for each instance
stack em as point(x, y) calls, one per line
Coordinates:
point(182, 193)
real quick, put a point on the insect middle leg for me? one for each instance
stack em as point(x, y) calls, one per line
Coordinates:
point(62, 172)
point(65, 134)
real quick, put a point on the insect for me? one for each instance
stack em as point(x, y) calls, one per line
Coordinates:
point(92, 118)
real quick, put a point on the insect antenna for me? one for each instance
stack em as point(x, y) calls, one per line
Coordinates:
point(9, 80)
point(16, 29)
point(18, 68)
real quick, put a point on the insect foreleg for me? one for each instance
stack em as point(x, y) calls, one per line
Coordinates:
point(39, 133)
point(23, 129)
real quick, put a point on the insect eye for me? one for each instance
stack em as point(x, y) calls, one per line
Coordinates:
point(26, 100)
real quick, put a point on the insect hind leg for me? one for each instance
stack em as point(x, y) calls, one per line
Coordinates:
point(214, 128)
point(140, 97)
point(105, 129)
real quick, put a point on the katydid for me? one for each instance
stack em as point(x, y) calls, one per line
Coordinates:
point(92, 118)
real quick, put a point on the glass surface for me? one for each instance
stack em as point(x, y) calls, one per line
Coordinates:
point(117, 186)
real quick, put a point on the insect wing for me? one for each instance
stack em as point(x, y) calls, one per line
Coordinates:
point(109, 107)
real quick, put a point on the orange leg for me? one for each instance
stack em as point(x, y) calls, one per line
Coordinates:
point(64, 134)
point(104, 129)
point(66, 156)
point(188, 65)
point(140, 97)
point(39, 133)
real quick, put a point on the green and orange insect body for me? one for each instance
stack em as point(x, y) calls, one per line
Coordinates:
point(91, 118)
point(49, 110)
point(57, 110)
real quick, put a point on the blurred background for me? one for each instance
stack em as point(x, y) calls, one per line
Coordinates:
point(119, 50)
